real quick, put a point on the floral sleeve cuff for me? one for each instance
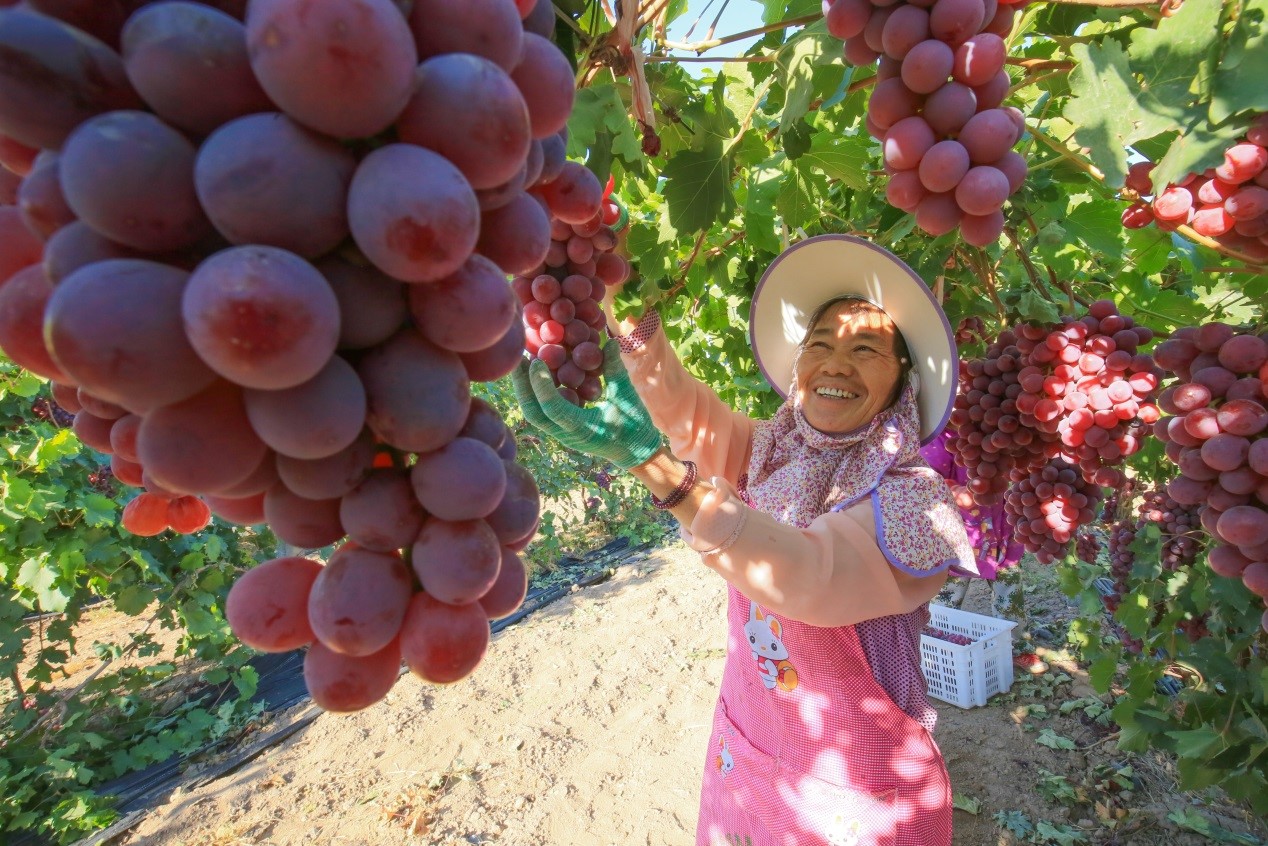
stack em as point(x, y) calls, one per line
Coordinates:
point(641, 334)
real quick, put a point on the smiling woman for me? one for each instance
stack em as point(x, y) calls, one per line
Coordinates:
point(850, 365)
point(831, 530)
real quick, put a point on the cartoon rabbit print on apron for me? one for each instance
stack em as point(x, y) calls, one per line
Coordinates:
point(773, 664)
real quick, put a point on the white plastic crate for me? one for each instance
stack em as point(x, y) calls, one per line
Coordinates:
point(966, 676)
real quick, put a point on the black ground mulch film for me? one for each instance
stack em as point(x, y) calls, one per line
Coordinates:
point(281, 687)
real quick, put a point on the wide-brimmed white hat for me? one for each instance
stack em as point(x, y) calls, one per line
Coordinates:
point(810, 273)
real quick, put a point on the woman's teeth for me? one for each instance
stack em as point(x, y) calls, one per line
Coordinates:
point(835, 392)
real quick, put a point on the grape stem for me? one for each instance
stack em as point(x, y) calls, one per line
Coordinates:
point(977, 260)
point(1254, 271)
point(719, 59)
point(1075, 301)
point(1040, 64)
point(699, 47)
point(1108, 4)
point(1025, 259)
point(1096, 173)
point(712, 252)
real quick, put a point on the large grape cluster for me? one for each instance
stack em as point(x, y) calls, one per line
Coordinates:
point(262, 251)
point(936, 107)
point(561, 297)
point(1228, 203)
point(1218, 437)
point(1077, 392)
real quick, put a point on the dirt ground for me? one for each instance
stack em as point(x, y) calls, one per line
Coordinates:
point(587, 724)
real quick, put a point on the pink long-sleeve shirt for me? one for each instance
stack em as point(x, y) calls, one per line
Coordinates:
point(830, 573)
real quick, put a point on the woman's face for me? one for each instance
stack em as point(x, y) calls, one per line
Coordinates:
point(847, 372)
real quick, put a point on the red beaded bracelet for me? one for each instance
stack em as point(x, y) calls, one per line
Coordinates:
point(679, 493)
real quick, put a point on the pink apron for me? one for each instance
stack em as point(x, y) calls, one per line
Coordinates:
point(807, 748)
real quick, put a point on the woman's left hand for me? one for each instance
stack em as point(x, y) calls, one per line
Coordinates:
point(618, 427)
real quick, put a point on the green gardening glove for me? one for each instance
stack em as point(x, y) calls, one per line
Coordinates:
point(617, 428)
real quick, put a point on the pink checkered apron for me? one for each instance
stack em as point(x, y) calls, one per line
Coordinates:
point(807, 749)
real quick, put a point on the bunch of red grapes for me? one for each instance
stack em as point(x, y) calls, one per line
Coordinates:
point(1180, 544)
point(990, 438)
point(1218, 437)
point(1047, 506)
point(1078, 392)
point(936, 106)
point(1122, 534)
point(1087, 546)
point(1228, 203)
point(1177, 524)
point(263, 251)
point(561, 297)
point(1087, 391)
point(970, 330)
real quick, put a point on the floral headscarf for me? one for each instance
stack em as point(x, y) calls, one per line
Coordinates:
point(797, 473)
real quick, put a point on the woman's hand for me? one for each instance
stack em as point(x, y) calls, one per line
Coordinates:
point(617, 428)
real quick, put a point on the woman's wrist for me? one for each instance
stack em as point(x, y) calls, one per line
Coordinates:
point(675, 481)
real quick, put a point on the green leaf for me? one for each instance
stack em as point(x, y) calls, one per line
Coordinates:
point(197, 620)
point(26, 385)
point(779, 10)
point(1097, 224)
point(1048, 737)
point(246, 681)
point(1101, 672)
point(1195, 775)
point(1169, 57)
point(596, 109)
point(134, 599)
point(1033, 306)
point(796, 62)
point(796, 201)
point(99, 511)
point(1108, 109)
point(1193, 744)
point(1134, 612)
point(1238, 84)
point(968, 804)
point(1196, 148)
point(797, 140)
point(697, 188)
point(842, 158)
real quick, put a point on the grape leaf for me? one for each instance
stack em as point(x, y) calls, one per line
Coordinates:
point(759, 210)
point(796, 63)
point(133, 599)
point(844, 158)
point(1098, 225)
point(1102, 671)
point(797, 139)
point(598, 108)
point(796, 200)
point(1193, 744)
point(697, 188)
point(1195, 149)
point(1108, 108)
point(778, 10)
point(1169, 57)
point(99, 510)
point(1238, 83)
